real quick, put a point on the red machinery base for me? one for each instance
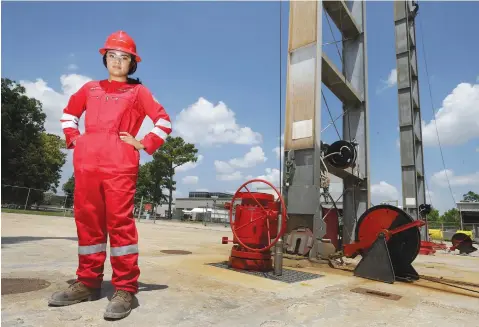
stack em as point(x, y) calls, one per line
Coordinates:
point(427, 248)
point(246, 260)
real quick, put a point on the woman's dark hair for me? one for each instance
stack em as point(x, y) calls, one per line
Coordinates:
point(133, 66)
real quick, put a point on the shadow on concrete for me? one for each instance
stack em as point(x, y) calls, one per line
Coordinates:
point(8, 240)
point(108, 290)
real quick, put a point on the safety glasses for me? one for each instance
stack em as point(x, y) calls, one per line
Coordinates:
point(118, 56)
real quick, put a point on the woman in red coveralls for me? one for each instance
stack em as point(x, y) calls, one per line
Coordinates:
point(106, 162)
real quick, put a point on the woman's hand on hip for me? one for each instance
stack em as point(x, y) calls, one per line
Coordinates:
point(127, 138)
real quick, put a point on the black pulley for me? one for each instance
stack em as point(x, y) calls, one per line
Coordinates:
point(425, 209)
point(463, 243)
point(341, 154)
point(387, 260)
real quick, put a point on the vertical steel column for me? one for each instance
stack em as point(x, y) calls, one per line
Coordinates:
point(308, 69)
point(357, 198)
point(412, 162)
point(302, 135)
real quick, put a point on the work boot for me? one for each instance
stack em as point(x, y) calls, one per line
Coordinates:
point(119, 306)
point(75, 293)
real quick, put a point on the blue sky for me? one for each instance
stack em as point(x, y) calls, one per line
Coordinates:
point(229, 52)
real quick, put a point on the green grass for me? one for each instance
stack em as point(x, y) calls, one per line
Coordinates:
point(41, 213)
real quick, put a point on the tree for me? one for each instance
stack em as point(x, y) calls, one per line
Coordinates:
point(433, 216)
point(22, 124)
point(470, 197)
point(69, 188)
point(152, 180)
point(173, 154)
point(31, 157)
point(451, 216)
point(50, 159)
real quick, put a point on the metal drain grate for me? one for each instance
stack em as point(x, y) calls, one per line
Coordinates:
point(383, 295)
point(22, 285)
point(289, 275)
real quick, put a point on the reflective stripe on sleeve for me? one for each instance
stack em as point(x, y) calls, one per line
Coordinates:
point(163, 123)
point(70, 117)
point(68, 124)
point(123, 250)
point(91, 249)
point(161, 133)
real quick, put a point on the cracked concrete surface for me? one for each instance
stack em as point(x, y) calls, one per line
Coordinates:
point(183, 290)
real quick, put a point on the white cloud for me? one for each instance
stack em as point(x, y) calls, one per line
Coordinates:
point(390, 82)
point(457, 121)
point(440, 179)
point(208, 124)
point(272, 176)
point(253, 157)
point(190, 180)
point(398, 144)
point(223, 167)
point(234, 176)
point(384, 192)
point(392, 78)
point(202, 190)
point(279, 151)
point(54, 102)
point(189, 165)
point(72, 67)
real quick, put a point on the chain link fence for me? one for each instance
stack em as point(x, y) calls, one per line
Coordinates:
point(20, 199)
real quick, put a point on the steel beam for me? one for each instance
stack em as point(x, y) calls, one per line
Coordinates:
point(357, 196)
point(305, 76)
point(412, 162)
point(301, 179)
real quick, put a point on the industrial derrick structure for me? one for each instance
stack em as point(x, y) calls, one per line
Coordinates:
point(410, 129)
point(306, 156)
point(387, 238)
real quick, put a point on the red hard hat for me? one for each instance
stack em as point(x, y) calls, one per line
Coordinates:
point(120, 41)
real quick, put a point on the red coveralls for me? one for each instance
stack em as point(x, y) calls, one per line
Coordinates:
point(105, 170)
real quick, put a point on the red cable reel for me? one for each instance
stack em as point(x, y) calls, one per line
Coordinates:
point(254, 225)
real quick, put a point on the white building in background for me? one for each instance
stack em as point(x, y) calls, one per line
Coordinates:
point(208, 215)
point(203, 205)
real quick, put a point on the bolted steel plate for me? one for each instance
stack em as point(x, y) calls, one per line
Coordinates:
point(22, 285)
point(289, 275)
point(175, 252)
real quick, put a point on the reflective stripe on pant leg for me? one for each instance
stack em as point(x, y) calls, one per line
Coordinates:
point(124, 250)
point(91, 249)
point(119, 196)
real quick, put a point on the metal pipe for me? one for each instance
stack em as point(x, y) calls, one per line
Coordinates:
point(278, 254)
point(28, 195)
point(139, 212)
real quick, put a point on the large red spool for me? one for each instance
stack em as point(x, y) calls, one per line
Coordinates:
point(255, 227)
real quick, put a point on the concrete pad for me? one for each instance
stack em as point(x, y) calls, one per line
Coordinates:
point(183, 290)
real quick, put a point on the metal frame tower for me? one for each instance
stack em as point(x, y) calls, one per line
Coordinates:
point(308, 69)
point(412, 157)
